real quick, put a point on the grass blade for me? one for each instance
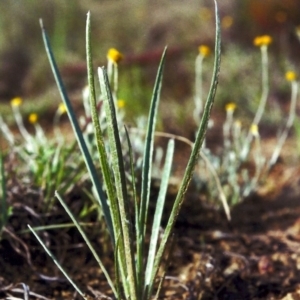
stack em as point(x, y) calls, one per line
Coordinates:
point(57, 263)
point(148, 152)
point(147, 163)
point(87, 241)
point(194, 155)
point(158, 211)
point(136, 215)
point(117, 269)
point(104, 161)
point(116, 189)
point(81, 142)
point(120, 180)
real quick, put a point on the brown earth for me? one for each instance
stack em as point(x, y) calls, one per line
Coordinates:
point(254, 256)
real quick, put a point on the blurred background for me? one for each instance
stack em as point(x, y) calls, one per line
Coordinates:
point(140, 29)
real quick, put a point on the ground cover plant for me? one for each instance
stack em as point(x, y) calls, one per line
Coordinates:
point(138, 230)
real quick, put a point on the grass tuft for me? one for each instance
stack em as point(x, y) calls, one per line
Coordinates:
point(136, 272)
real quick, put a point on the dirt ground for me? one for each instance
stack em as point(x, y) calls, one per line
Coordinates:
point(254, 256)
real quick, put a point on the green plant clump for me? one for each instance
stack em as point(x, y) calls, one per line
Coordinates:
point(136, 265)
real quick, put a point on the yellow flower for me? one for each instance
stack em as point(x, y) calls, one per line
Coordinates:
point(204, 50)
point(114, 55)
point(227, 22)
point(62, 108)
point(230, 107)
point(17, 101)
point(254, 129)
point(33, 118)
point(290, 76)
point(121, 103)
point(263, 40)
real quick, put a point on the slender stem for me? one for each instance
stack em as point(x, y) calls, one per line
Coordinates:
point(289, 124)
point(198, 89)
point(263, 100)
point(265, 85)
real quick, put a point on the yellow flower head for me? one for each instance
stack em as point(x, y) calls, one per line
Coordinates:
point(114, 55)
point(62, 108)
point(204, 50)
point(254, 129)
point(263, 40)
point(32, 118)
point(121, 103)
point(230, 107)
point(17, 101)
point(227, 22)
point(290, 76)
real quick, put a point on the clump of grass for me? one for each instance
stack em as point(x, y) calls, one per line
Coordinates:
point(136, 265)
point(45, 162)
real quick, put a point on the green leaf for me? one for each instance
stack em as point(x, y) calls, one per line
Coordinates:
point(139, 268)
point(57, 263)
point(104, 161)
point(76, 128)
point(158, 212)
point(148, 152)
point(194, 155)
point(147, 164)
point(87, 241)
point(120, 181)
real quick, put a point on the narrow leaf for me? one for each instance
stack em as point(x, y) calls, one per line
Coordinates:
point(147, 161)
point(136, 215)
point(57, 263)
point(87, 241)
point(120, 180)
point(117, 269)
point(76, 128)
point(148, 152)
point(104, 161)
point(194, 155)
point(158, 211)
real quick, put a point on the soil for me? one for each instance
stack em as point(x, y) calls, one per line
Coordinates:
point(254, 256)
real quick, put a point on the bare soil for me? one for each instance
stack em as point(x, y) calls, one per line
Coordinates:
point(254, 256)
